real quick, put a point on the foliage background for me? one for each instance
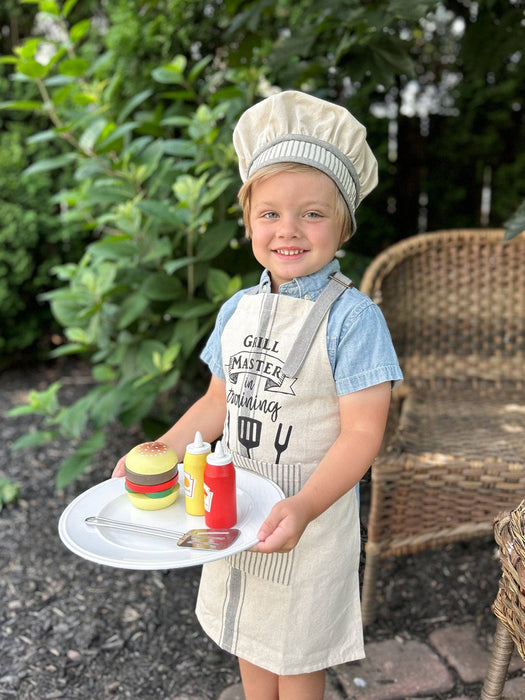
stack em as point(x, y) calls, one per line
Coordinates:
point(120, 233)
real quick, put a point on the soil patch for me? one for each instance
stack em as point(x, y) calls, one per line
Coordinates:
point(73, 629)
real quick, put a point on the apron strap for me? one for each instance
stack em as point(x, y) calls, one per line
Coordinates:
point(336, 286)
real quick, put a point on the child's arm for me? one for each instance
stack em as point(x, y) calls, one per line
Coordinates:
point(206, 415)
point(363, 419)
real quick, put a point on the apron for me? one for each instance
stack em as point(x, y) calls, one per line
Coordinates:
point(296, 612)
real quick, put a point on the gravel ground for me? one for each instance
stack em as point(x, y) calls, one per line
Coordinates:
point(73, 629)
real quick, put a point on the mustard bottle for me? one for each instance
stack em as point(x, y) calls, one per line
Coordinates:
point(194, 463)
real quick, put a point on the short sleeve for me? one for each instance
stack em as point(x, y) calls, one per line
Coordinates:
point(364, 353)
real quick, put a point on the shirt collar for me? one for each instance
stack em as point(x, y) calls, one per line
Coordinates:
point(308, 287)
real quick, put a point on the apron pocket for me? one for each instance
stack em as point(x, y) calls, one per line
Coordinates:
point(276, 567)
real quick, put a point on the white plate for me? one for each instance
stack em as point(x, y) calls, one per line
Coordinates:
point(255, 497)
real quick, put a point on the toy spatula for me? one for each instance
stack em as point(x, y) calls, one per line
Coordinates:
point(201, 538)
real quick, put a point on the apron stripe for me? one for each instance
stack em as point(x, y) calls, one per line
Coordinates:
point(233, 608)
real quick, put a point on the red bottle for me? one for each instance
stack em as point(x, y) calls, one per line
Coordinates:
point(220, 496)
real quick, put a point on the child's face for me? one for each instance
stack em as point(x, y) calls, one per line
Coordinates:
point(294, 227)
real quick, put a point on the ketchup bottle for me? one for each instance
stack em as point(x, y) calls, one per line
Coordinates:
point(220, 497)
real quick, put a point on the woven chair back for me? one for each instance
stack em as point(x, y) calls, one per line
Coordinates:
point(455, 305)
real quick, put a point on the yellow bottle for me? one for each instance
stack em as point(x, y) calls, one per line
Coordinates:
point(194, 464)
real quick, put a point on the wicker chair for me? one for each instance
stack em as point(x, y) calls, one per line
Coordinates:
point(454, 449)
point(509, 606)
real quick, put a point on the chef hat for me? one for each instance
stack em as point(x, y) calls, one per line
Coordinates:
point(296, 127)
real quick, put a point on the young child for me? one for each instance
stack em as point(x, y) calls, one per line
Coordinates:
point(302, 367)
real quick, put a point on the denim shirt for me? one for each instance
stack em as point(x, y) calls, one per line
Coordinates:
point(359, 345)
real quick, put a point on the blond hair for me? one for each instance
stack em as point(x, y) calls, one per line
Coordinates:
point(342, 213)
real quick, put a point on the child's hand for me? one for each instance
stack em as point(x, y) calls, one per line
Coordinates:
point(283, 528)
point(119, 468)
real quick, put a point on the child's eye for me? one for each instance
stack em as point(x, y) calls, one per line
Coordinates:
point(269, 215)
point(313, 215)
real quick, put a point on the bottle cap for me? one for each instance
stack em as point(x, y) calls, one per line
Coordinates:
point(219, 457)
point(198, 446)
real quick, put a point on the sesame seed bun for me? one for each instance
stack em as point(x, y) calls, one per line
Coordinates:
point(152, 476)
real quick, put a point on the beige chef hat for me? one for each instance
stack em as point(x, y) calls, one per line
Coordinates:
point(295, 127)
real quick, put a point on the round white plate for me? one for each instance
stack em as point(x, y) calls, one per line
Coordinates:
point(255, 497)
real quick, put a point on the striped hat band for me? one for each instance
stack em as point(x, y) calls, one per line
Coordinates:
point(298, 148)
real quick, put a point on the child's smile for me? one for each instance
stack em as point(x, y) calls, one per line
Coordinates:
point(295, 231)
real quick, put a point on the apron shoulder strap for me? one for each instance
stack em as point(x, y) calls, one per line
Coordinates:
point(336, 286)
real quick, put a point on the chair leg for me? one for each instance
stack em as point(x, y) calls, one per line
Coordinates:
point(368, 597)
point(502, 649)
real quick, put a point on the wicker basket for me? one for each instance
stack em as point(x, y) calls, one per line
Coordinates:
point(509, 606)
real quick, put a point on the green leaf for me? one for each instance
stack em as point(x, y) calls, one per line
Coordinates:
point(68, 306)
point(217, 283)
point(133, 103)
point(173, 265)
point(161, 287)
point(67, 349)
point(112, 133)
point(77, 335)
point(9, 491)
point(136, 411)
point(34, 439)
point(28, 49)
point(74, 465)
point(177, 120)
point(147, 351)
point(32, 69)
point(73, 66)
point(22, 105)
point(79, 30)
point(191, 309)
point(215, 188)
point(92, 133)
point(198, 68)
point(43, 402)
point(132, 308)
point(109, 405)
point(171, 72)
point(215, 240)
point(49, 6)
point(390, 56)
point(103, 373)
point(160, 211)
point(74, 419)
point(43, 136)
point(68, 6)
point(516, 224)
point(181, 148)
point(46, 164)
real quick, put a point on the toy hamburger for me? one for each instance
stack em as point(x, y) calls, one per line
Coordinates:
point(152, 476)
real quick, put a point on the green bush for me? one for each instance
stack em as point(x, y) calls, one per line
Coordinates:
point(154, 183)
point(32, 241)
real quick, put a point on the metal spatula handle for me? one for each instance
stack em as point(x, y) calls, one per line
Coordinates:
point(132, 527)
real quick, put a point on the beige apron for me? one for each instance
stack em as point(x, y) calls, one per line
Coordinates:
point(296, 612)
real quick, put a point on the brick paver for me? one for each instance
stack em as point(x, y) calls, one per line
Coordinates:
point(462, 648)
point(395, 669)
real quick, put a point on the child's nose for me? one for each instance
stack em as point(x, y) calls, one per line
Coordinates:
point(288, 227)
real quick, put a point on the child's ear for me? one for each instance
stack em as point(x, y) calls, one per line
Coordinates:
point(344, 238)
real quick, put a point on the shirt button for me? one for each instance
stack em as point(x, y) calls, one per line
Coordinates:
point(307, 297)
point(265, 286)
